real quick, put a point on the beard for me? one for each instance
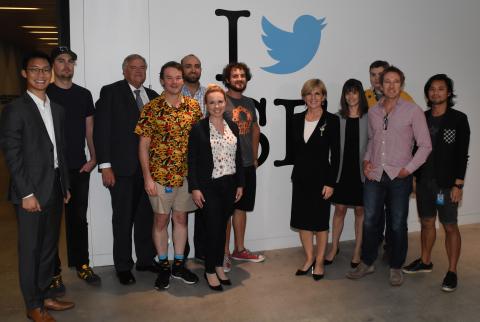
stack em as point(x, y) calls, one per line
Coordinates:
point(238, 87)
point(64, 76)
point(192, 79)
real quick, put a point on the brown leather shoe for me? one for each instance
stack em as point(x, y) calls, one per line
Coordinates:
point(39, 315)
point(56, 305)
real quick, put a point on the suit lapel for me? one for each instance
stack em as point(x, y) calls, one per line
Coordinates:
point(37, 116)
point(205, 123)
point(321, 122)
point(131, 104)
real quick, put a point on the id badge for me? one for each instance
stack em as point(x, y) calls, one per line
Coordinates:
point(168, 189)
point(440, 199)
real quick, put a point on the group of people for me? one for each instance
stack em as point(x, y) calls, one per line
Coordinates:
point(366, 157)
point(141, 143)
point(195, 149)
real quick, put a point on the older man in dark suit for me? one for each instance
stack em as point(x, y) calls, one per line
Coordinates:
point(32, 139)
point(116, 144)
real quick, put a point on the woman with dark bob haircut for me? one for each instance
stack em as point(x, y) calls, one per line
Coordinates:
point(350, 177)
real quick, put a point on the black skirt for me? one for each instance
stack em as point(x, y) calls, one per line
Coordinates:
point(309, 210)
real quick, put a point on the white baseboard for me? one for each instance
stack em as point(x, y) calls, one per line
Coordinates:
point(293, 241)
point(101, 260)
point(287, 241)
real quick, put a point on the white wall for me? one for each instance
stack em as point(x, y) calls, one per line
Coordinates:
point(421, 37)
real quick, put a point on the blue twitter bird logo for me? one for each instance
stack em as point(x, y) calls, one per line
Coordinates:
point(293, 50)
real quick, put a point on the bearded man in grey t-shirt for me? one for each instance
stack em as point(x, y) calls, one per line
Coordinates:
point(241, 110)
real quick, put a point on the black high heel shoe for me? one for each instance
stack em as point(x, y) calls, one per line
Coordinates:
point(353, 264)
point(329, 262)
point(302, 272)
point(224, 282)
point(317, 277)
point(218, 288)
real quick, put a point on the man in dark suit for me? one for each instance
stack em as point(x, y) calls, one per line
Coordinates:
point(32, 139)
point(116, 144)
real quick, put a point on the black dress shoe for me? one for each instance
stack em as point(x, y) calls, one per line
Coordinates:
point(329, 262)
point(126, 277)
point(217, 288)
point(302, 272)
point(224, 282)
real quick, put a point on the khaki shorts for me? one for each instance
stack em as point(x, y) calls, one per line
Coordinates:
point(178, 199)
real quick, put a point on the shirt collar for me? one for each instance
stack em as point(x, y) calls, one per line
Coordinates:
point(400, 102)
point(186, 91)
point(163, 97)
point(133, 89)
point(38, 101)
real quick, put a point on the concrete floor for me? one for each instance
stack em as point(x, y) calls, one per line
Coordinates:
point(266, 291)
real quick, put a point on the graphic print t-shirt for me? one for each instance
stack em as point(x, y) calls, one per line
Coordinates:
point(242, 112)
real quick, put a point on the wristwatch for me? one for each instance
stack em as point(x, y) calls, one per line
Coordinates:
point(458, 185)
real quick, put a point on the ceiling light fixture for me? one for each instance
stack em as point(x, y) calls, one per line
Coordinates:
point(43, 32)
point(39, 27)
point(43, 38)
point(19, 8)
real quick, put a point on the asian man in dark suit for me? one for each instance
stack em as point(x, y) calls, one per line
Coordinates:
point(32, 139)
point(117, 113)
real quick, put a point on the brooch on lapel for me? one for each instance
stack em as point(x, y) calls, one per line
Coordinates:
point(322, 128)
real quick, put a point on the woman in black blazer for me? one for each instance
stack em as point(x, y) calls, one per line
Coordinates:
point(215, 179)
point(315, 137)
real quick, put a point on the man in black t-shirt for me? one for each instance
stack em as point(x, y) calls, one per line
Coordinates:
point(439, 188)
point(78, 104)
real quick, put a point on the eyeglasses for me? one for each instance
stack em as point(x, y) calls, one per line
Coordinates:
point(36, 70)
point(385, 122)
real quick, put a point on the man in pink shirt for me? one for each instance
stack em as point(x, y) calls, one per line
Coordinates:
point(394, 125)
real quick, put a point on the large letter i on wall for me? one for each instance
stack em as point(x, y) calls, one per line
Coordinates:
point(232, 17)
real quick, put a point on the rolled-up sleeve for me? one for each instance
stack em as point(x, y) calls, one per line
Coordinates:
point(422, 139)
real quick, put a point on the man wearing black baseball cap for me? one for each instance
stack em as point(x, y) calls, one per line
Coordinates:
point(78, 104)
point(57, 51)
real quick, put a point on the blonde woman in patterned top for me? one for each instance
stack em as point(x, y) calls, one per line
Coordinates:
point(215, 179)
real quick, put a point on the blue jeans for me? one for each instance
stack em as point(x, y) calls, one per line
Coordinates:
point(395, 194)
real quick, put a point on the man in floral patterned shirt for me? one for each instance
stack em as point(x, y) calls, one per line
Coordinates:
point(164, 128)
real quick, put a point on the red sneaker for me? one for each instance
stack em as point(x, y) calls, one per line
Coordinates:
point(246, 255)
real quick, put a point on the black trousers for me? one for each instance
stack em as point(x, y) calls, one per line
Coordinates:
point(131, 208)
point(38, 246)
point(76, 224)
point(199, 234)
point(218, 207)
